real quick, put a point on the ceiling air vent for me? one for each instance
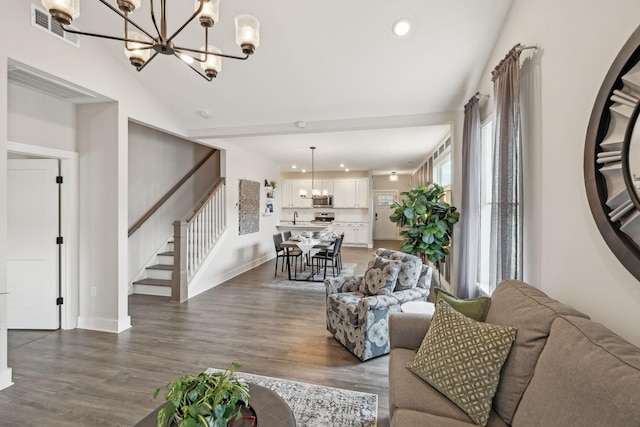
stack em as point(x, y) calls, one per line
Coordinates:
point(41, 19)
point(47, 85)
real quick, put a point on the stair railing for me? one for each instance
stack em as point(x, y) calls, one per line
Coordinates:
point(195, 235)
point(170, 193)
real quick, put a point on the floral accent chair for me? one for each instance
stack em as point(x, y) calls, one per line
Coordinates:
point(358, 307)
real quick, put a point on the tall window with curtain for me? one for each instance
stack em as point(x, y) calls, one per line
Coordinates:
point(470, 204)
point(506, 215)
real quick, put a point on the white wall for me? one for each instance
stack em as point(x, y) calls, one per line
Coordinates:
point(565, 254)
point(239, 253)
point(38, 119)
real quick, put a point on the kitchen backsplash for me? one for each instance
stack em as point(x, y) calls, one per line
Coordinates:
point(342, 215)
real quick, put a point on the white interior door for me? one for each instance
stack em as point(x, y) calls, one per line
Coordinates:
point(32, 228)
point(384, 228)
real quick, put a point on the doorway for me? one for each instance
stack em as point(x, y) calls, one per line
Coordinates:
point(384, 228)
point(65, 275)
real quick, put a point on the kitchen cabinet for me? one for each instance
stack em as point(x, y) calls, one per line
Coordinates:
point(351, 193)
point(291, 193)
point(355, 233)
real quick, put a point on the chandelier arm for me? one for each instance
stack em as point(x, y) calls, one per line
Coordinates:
point(195, 58)
point(103, 36)
point(188, 21)
point(193, 68)
point(147, 61)
point(123, 16)
point(212, 53)
point(153, 18)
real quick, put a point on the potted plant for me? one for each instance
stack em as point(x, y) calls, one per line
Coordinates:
point(207, 400)
point(426, 222)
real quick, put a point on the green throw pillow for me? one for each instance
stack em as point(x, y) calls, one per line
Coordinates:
point(462, 359)
point(476, 308)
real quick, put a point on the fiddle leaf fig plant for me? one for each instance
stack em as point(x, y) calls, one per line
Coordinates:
point(426, 222)
point(206, 400)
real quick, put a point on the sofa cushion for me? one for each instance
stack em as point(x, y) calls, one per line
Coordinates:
point(531, 312)
point(586, 375)
point(462, 358)
point(475, 308)
point(381, 275)
point(409, 391)
point(408, 418)
point(409, 271)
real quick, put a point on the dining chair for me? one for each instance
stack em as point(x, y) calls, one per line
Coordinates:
point(282, 253)
point(331, 252)
point(330, 256)
point(286, 235)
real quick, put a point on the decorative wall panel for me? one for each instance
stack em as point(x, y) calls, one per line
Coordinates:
point(249, 208)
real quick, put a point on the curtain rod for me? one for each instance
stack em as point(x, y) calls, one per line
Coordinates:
point(515, 50)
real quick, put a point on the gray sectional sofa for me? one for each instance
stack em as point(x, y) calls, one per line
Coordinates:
point(563, 369)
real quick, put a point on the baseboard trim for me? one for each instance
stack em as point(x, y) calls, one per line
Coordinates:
point(104, 325)
point(6, 378)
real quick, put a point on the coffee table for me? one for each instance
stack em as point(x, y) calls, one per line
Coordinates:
point(265, 404)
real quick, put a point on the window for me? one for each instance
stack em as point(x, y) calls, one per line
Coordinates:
point(442, 165)
point(485, 204)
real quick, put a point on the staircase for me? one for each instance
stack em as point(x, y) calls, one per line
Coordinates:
point(177, 262)
point(158, 274)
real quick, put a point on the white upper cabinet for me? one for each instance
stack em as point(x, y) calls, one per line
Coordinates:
point(351, 193)
point(291, 193)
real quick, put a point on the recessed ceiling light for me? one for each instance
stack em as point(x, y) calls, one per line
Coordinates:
point(294, 167)
point(341, 165)
point(401, 27)
point(205, 113)
point(346, 170)
point(304, 171)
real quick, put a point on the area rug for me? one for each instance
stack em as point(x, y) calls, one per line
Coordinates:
point(282, 281)
point(319, 406)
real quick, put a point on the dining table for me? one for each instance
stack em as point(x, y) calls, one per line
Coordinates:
point(306, 246)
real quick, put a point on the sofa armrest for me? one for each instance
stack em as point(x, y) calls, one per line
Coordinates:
point(338, 285)
point(407, 330)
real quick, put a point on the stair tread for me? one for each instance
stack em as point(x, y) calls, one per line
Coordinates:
point(168, 253)
point(156, 282)
point(161, 267)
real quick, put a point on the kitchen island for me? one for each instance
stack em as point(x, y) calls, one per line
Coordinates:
point(305, 226)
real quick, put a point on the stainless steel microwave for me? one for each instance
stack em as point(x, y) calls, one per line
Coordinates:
point(322, 201)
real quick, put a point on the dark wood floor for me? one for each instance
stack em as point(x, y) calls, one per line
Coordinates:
point(85, 378)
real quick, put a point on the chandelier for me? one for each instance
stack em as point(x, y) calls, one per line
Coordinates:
point(142, 46)
point(315, 192)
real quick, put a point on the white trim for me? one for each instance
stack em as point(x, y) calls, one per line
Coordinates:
point(104, 325)
point(5, 379)
point(69, 222)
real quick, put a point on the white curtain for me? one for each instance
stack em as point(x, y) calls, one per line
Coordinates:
point(470, 205)
point(506, 213)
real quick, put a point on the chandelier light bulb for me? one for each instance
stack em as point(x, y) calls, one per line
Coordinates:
point(138, 53)
point(128, 6)
point(64, 11)
point(211, 64)
point(209, 13)
point(247, 33)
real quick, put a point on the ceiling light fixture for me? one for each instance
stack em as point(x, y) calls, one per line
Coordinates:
point(314, 191)
point(401, 27)
point(142, 47)
point(393, 177)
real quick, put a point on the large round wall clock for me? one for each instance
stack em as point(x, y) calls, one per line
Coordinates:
point(612, 157)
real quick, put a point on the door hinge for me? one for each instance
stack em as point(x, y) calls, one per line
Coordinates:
point(59, 240)
point(58, 179)
point(59, 301)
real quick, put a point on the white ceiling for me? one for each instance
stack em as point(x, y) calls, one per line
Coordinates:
point(324, 61)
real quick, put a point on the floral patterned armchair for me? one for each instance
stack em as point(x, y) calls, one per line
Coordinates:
point(358, 307)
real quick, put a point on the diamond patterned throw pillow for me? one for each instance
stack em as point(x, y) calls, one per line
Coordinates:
point(462, 359)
